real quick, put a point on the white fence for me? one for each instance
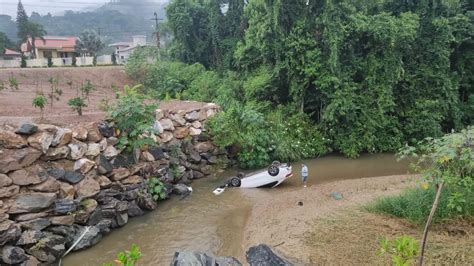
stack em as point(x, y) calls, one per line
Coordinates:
point(57, 62)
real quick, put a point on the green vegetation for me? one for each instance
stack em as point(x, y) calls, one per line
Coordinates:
point(55, 92)
point(86, 89)
point(403, 250)
point(40, 102)
point(156, 188)
point(77, 104)
point(415, 204)
point(89, 43)
point(29, 30)
point(5, 42)
point(128, 258)
point(366, 76)
point(134, 118)
point(13, 83)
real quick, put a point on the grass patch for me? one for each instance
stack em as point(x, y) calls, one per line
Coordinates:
point(415, 205)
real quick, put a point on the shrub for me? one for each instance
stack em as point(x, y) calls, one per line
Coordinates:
point(415, 204)
point(13, 83)
point(134, 117)
point(40, 102)
point(77, 104)
point(50, 62)
point(128, 258)
point(86, 89)
point(156, 188)
point(403, 250)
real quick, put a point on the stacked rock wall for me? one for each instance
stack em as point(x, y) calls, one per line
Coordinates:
point(57, 183)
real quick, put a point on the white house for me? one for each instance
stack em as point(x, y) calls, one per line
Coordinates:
point(123, 50)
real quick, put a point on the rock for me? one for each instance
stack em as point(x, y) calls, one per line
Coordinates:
point(147, 156)
point(157, 152)
point(30, 261)
point(93, 149)
point(9, 232)
point(122, 219)
point(181, 132)
point(146, 202)
point(194, 156)
point(263, 255)
point(181, 189)
point(10, 191)
point(88, 207)
point(13, 255)
point(72, 177)
point(103, 165)
point(103, 144)
point(25, 178)
point(166, 136)
point(93, 132)
point(103, 181)
point(56, 173)
point(11, 140)
point(206, 169)
point(96, 217)
point(211, 112)
point(159, 114)
point(36, 224)
point(65, 231)
point(62, 220)
point(212, 159)
point(87, 188)
point(5, 181)
point(119, 174)
point(194, 131)
point(48, 249)
point(134, 179)
point(83, 165)
point(337, 196)
point(106, 130)
point(32, 202)
point(110, 152)
point(56, 153)
point(66, 191)
point(104, 226)
point(27, 129)
point(158, 127)
point(11, 160)
point(65, 206)
point(197, 125)
point(92, 236)
point(80, 133)
point(50, 185)
point(202, 259)
point(30, 216)
point(63, 136)
point(78, 150)
point(112, 141)
point(192, 116)
point(125, 159)
point(134, 210)
point(203, 147)
point(29, 237)
point(167, 124)
point(41, 141)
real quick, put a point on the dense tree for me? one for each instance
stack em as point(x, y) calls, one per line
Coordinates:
point(89, 43)
point(5, 42)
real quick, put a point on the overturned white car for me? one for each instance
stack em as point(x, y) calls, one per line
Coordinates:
point(272, 177)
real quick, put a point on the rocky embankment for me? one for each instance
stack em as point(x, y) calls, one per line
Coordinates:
point(59, 185)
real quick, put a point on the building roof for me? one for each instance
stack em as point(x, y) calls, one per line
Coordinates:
point(126, 44)
point(11, 52)
point(59, 43)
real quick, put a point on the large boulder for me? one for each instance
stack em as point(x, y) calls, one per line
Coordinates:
point(93, 132)
point(195, 131)
point(29, 237)
point(104, 182)
point(27, 129)
point(62, 220)
point(48, 249)
point(91, 237)
point(106, 130)
point(146, 202)
point(88, 207)
point(181, 132)
point(14, 159)
point(5, 180)
point(36, 224)
point(72, 177)
point(263, 255)
point(10, 191)
point(9, 232)
point(50, 185)
point(62, 137)
point(80, 133)
point(133, 209)
point(192, 116)
point(167, 124)
point(120, 173)
point(56, 153)
point(13, 255)
point(87, 188)
point(31, 176)
point(83, 165)
point(66, 190)
point(10, 140)
point(203, 147)
point(110, 152)
point(93, 149)
point(32, 202)
point(41, 141)
point(65, 206)
point(202, 259)
point(166, 136)
point(103, 165)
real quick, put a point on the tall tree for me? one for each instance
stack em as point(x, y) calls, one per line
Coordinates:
point(32, 32)
point(89, 43)
point(21, 16)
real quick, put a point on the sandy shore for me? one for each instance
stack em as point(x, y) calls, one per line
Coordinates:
point(337, 232)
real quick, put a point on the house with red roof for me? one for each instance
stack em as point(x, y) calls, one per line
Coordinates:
point(8, 54)
point(51, 46)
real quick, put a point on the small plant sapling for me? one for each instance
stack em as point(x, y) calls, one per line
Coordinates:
point(403, 250)
point(77, 104)
point(40, 102)
point(13, 82)
point(127, 258)
point(86, 89)
point(55, 92)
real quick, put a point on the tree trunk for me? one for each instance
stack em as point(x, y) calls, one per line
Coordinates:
point(428, 222)
point(33, 47)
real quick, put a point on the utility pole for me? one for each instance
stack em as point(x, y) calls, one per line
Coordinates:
point(156, 19)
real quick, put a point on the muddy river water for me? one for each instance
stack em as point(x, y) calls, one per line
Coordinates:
point(215, 224)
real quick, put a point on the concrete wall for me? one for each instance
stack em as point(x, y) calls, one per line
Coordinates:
point(43, 62)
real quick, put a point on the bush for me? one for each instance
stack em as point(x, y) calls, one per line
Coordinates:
point(77, 104)
point(40, 102)
point(74, 60)
point(134, 118)
point(50, 62)
point(23, 61)
point(403, 250)
point(415, 205)
point(156, 188)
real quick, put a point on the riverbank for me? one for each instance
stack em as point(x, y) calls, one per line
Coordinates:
point(328, 231)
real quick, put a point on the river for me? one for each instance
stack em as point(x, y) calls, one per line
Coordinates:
point(215, 224)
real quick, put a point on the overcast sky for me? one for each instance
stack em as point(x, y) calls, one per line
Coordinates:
point(8, 7)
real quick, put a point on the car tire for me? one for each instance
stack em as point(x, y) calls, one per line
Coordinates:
point(235, 182)
point(273, 170)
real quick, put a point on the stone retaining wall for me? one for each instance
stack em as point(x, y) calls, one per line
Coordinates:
point(57, 182)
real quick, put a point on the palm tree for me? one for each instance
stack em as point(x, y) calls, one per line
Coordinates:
point(33, 31)
point(89, 43)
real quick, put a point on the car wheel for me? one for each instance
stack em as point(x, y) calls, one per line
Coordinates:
point(273, 170)
point(235, 182)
